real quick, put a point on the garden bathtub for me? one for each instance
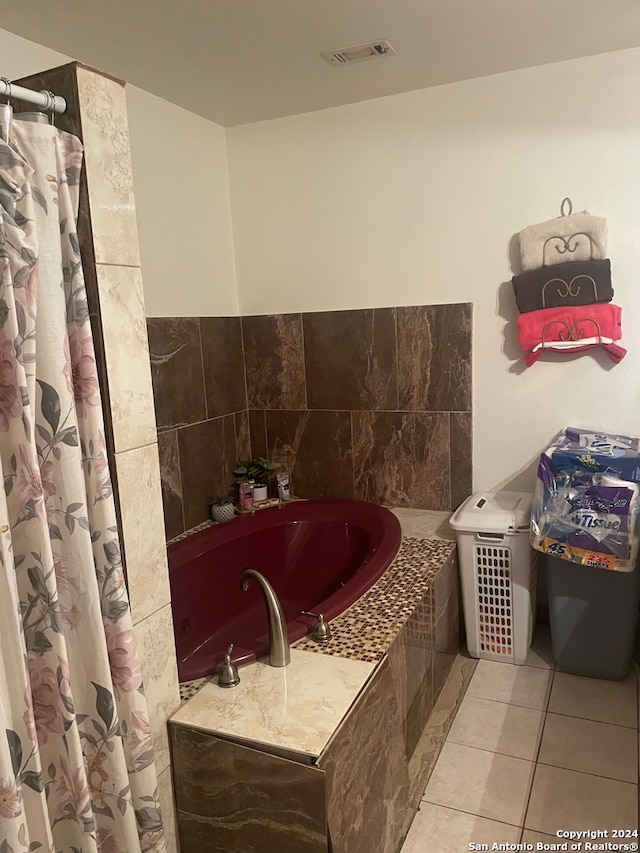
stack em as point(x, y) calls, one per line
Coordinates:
point(318, 555)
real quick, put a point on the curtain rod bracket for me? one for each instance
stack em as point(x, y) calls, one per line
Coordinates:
point(44, 100)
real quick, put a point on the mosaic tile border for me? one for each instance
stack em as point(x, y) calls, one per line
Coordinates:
point(192, 530)
point(209, 523)
point(188, 689)
point(366, 630)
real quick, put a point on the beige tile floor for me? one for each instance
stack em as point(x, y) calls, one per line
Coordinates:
point(533, 751)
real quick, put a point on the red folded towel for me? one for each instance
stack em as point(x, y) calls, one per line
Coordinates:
point(575, 328)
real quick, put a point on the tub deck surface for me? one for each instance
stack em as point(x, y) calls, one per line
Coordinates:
point(363, 633)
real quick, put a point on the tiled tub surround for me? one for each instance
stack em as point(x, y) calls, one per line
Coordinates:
point(297, 754)
point(373, 404)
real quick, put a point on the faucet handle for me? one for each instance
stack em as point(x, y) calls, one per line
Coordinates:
point(229, 673)
point(321, 632)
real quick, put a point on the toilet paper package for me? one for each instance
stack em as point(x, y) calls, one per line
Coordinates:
point(594, 451)
point(586, 506)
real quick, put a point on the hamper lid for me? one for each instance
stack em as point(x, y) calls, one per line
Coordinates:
point(494, 512)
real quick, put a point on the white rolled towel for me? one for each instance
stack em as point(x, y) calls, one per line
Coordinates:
point(576, 237)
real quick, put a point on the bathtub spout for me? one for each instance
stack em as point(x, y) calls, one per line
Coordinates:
point(279, 653)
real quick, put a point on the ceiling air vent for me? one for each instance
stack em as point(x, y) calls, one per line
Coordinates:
point(358, 52)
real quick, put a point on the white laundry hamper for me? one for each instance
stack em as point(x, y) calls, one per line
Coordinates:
point(497, 574)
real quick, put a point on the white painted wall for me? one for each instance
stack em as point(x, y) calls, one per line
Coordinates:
point(411, 199)
point(181, 183)
point(20, 57)
point(414, 199)
point(182, 195)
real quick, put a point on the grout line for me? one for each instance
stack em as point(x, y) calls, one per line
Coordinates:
point(197, 423)
point(397, 364)
point(536, 760)
point(473, 814)
point(585, 773)
point(353, 466)
point(535, 766)
point(511, 704)
point(149, 615)
point(125, 266)
point(244, 373)
point(204, 381)
point(138, 446)
point(451, 506)
point(373, 411)
point(590, 720)
point(516, 665)
point(182, 515)
point(304, 363)
point(266, 437)
point(491, 751)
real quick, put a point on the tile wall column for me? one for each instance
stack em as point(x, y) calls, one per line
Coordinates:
point(120, 304)
point(108, 236)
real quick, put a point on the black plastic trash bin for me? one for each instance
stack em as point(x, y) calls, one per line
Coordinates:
point(593, 614)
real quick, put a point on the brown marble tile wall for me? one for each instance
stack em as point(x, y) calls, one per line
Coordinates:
point(411, 656)
point(368, 786)
point(171, 483)
point(317, 446)
point(225, 389)
point(434, 735)
point(434, 358)
point(421, 658)
point(445, 609)
point(422, 654)
point(373, 404)
point(274, 361)
point(253, 802)
point(176, 371)
point(395, 381)
point(460, 432)
point(258, 432)
point(197, 370)
point(351, 359)
point(402, 458)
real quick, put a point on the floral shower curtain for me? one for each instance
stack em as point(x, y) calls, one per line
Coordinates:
point(76, 762)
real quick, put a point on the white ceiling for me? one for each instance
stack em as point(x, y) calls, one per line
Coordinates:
point(238, 61)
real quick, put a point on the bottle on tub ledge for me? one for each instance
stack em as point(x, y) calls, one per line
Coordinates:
point(246, 495)
point(284, 486)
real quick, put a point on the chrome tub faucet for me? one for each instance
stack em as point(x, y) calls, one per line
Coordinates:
point(279, 652)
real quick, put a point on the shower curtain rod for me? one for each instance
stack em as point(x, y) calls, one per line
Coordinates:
point(43, 99)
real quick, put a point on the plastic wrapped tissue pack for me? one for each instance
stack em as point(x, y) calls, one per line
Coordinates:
point(586, 506)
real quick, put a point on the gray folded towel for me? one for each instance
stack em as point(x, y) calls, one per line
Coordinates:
point(577, 237)
point(582, 283)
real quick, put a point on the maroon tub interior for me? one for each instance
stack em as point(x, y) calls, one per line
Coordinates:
point(318, 555)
